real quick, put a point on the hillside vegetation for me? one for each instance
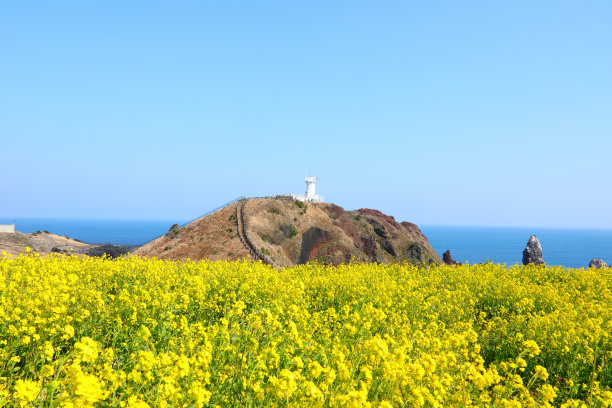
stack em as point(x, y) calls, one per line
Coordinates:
point(214, 237)
point(134, 332)
point(286, 233)
point(43, 242)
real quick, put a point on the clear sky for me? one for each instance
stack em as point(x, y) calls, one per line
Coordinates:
point(438, 112)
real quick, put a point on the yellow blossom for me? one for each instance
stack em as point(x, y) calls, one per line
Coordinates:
point(25, 392)
point(531, 347)
point(85, 389)
point(86, 350)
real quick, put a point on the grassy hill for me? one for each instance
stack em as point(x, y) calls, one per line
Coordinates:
point(285, 233)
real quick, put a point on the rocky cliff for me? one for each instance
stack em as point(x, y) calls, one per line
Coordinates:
point(284, 233)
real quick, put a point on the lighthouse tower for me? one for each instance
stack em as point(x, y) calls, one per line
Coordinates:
point(310, 192)
point(310, 188)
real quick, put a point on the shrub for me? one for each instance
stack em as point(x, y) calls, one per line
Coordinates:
point(289, 231)
point(293, 231)
point(173, 231)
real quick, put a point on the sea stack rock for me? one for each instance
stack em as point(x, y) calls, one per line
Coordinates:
point(173, 231)
point(448, 259)
point(597, 263)
point(533, 252)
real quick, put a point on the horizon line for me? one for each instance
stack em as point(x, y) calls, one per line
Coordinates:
point(179, 220)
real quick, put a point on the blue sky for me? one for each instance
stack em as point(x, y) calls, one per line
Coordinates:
point(450, 113)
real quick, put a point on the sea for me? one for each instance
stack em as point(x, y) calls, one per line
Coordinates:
point(569, 247)
point(97, 231)
point(572, 248)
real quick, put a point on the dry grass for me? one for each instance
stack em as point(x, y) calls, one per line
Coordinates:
point(214, 237)
point(290, 234)
point(16, 243)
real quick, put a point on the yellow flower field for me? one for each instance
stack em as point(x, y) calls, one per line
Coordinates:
point(132, 332)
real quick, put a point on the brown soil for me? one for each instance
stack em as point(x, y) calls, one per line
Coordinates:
point(214, 237)
point(289, 233)
point(42, 243)
point(362, 235)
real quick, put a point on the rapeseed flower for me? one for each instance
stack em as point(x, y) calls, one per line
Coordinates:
point(140, 333)
point(25, 392)
point(86, 350)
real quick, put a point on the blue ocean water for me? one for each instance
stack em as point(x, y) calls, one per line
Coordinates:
point(568, 247)
point(117, 232)
point(572, 248)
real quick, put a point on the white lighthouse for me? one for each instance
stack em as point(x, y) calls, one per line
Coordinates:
point(310, 188)
point(310, 195)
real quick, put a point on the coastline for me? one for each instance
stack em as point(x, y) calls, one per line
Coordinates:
point(568, 247)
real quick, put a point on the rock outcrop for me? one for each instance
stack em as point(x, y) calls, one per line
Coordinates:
point(448, 259)
point(312, 240)
point(108, 250)
point(290, 233)
point(597, 263)
point(173, 231)
point(533, 252)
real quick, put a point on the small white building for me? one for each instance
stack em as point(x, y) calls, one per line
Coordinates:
point(9, 228)
point(310, 194)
